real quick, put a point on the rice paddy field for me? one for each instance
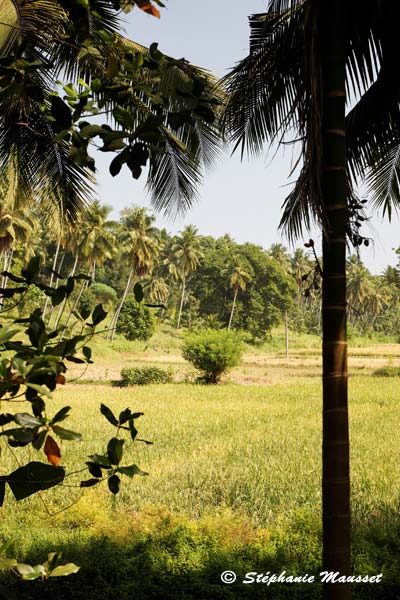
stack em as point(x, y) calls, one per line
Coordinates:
point(234, 482)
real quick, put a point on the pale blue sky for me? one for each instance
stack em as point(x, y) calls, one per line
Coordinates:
point(240, 198)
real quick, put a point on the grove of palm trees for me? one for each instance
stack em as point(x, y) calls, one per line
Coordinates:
point(161, 390)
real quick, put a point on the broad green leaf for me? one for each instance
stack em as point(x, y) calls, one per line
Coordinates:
point(131, 471)
point(116, 164)
point(64, 570)
point(34, 477)
point(99, 314)
point(87, 352)
point(26, 420)
point(39, 440)
point(61, 415)
point(94, 469)
point(66, 434)
point(90, 131)
point(7, 563)
point(6, 418)
point(20, 435)
point(115, 450)
point(25, 569)
point(124, 416)
point(96, 85)
point(101, 460)
point(108, 414)
point(89, 483)
point(37, 571)
point(113, 484)
point(40, 389)
point(138, 292)
point(6, 333)
point(123, 117)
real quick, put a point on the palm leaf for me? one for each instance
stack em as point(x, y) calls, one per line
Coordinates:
point(173, 177)
point(384, 180)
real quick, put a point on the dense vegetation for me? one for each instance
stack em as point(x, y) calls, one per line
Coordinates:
point(194, 281)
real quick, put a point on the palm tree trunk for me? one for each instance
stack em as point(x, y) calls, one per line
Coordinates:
point(181, 304)
point(58, 269)
point(63, 303)
point(286, 335)
point(8, 254)
point(83, 287)
point(53, 268)
point(335, 444)
point(233, 309)
point(113, 324)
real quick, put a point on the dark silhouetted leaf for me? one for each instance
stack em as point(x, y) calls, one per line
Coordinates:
point(113, 484)
point(108, 414)
point(115, 450)
point(34, 477)
point(66, 434)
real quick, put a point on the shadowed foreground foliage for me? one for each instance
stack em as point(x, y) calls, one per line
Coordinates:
point(157, 555)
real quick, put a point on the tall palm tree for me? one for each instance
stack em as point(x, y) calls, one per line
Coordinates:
point(281, 254)
point(173, 125)
point(238, 280)
point(140, 244)
point(188, 253)
point(295, 79)
point(95, 244)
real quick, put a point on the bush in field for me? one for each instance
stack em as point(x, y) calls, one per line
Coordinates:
point(104, 294)
point(145, 375)
point(135, 322)
point(387, 372)
point(213, 353)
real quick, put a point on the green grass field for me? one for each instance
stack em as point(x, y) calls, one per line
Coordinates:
point(234, 483)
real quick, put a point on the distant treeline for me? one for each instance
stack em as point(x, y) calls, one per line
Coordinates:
point(200, 281)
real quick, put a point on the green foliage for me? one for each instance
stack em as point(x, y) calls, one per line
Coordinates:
point(213, 352)
point(33, 365)
point(136, 321)
point(50, 568)
point(145, 375)
point(387, 372)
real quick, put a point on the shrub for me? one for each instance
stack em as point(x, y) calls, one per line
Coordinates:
point(213, 352)
point(145, 375)
point(387, 372)
point(136, 321)
point(87, 301)
point(104, 294)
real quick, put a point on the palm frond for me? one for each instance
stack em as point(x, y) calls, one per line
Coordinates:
point(174, 176)
point(263, 90)
point(38, 22)
point(43, 165)
point(86, 42)
point(384, 180)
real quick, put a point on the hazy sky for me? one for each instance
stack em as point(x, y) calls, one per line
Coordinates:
point(240, 198)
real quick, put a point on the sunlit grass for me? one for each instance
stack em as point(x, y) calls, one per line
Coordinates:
point(252, 449)
point(234, 480)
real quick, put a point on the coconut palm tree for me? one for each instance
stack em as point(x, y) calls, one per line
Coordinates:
point(140, 246)
point(294, 79)
point(238, 280)
point(281, 254)
point(187, 252)
point(95, 244)
point(170, 105)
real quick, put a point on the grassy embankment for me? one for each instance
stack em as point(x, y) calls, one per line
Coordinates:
point(234, 483)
